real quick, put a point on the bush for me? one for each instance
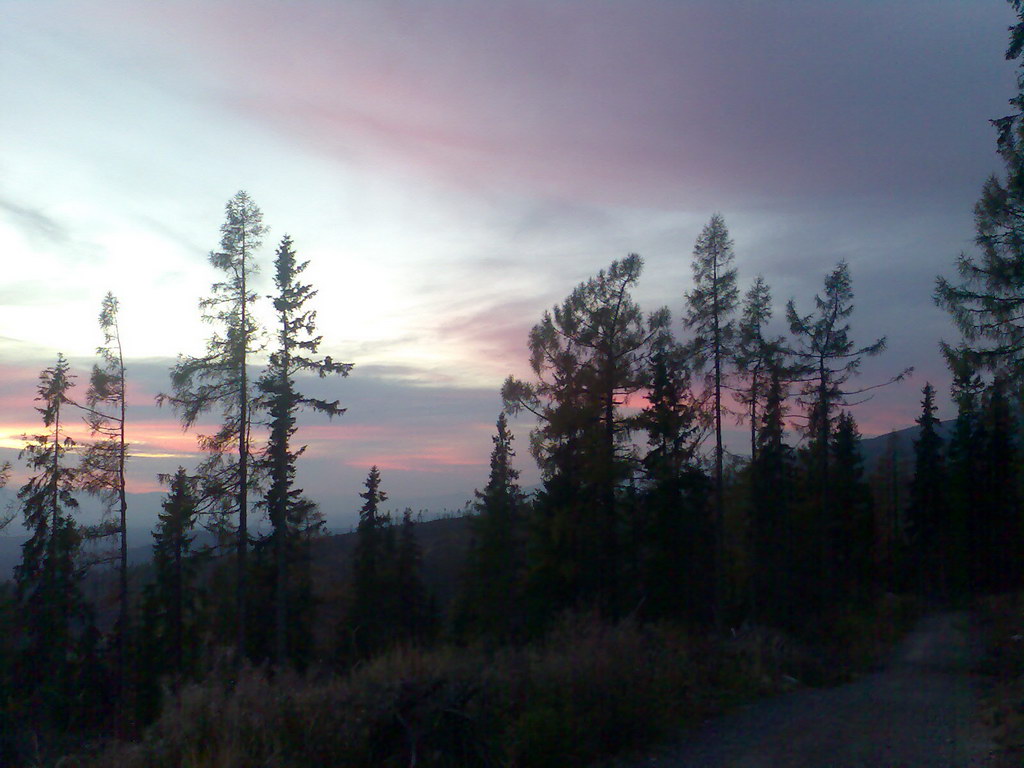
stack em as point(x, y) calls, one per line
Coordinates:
point(590, 690)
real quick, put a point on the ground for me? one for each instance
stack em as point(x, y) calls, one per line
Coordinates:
point(921, 710)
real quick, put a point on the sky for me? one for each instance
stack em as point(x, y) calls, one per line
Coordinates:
point(452, 169)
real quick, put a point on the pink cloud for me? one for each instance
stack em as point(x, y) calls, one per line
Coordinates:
point(641, 102)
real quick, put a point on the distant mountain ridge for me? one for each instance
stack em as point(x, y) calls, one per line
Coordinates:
point(874, 448)
point(145, 506)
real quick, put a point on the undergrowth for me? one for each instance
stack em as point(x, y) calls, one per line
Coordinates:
point(1004, 664)
point(588, 691)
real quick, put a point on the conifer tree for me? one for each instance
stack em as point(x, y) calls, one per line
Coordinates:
point(850, 524)
point(772, 486)
point(174, 565)
point(755, 354)
point(827, 359)
point(965, 466)
point(413, 619)
point(987, 304)
point(220, 379)
point(170, 602)
point(927, 514)
point(588, 356)
point(103, 461)
point(48, 578)
point(998, 525)
point(491, 603)
point(371, 600)
point(674, 555)
point(296, 352)
point(710, 309)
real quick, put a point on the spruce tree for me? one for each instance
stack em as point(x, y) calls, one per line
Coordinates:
point(710, 309)
point(772, 488)
point(675, 560)
point(964, 466)
point(296, 352)
point(491, 600)
point(850, 524)
point(220, 379)
point(413, 619)
point(371, 603)
point(927, 512)
point(170, 602)
point(174, 568)
point(48, 578)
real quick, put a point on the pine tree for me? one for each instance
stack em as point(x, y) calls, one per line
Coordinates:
point(220, 378)
point(710, 307)
point(103, 461)
point(491, 602)
point(48, 579)
point(296, 352)
point(588, 355)
point(927, 514)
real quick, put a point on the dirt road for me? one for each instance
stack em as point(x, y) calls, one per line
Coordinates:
point(920, 711)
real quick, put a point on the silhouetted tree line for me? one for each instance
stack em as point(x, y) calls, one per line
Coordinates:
point(641, 510)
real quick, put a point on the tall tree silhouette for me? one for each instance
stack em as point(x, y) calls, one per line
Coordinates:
point(772, 489)
point(170, 602)
point(828, 358)
point(371, 603)
point(103, 460)
point(710, 308)
point(414, 616)
point(756, 355)
point(927, 511)
point(965, 465)
point(987, 304)
point(850, 522)
point(674, 559)
point(296, 352)
point(220, 378)
point(47, 578)
point(588, 355)
point(999, 524)
point(491, 603)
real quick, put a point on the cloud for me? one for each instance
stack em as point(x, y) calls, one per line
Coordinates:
point(36, 223)
point(459, 167)
point(650, 102)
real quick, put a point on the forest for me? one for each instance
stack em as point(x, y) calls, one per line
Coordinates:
point(651, 578)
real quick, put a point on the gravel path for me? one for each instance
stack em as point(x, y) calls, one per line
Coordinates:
point(920, 711)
